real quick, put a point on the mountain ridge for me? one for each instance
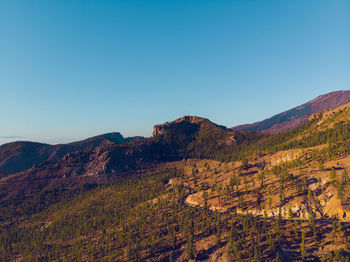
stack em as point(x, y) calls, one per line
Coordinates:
point(183, 138)
point(21, 155)
point(298, 115)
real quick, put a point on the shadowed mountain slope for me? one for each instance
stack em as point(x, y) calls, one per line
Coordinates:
point(21, 155)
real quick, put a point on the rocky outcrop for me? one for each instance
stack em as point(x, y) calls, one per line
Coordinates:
point(161, 128)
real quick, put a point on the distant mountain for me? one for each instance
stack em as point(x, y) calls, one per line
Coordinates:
point(298, 115)
point(21, 155)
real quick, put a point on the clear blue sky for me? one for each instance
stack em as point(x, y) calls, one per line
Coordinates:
point(74, 69)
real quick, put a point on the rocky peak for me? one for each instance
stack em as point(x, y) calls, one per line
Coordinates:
point(161, 128)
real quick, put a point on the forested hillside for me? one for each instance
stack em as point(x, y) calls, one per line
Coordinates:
point(194, 191)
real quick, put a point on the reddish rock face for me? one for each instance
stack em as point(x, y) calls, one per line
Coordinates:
point(298, 115)
point(161, 128)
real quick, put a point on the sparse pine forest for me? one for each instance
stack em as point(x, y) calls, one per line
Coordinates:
point(216, 195)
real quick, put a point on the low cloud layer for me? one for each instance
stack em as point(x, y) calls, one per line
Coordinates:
point(11, 137)
point(8, 139)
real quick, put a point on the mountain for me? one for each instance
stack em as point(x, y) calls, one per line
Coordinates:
point(193, 136)
point(195, 190)
point(96, 159)
point(21, 155)
point(162, 128)
point(111, 153)
point(297, 115)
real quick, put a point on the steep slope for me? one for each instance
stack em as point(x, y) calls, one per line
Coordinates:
point(21, 155)
point(298, 115)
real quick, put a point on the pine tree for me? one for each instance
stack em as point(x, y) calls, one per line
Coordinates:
point(190, 248)
point(205, 198)
point(341, 191)
point(320, 166)
point(270, 202)
point(218, 229)
point(332, 175)
point(344, 177)
point(129, 250)
point(302, 245)
point(290, 213)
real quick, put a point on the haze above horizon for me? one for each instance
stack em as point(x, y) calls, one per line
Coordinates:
point(74, 69)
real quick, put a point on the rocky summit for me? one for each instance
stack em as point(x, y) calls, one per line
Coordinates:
point(161, 128)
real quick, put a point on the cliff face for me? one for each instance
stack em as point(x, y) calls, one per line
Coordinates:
point(161, 128)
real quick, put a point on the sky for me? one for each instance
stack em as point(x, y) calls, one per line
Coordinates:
point(74, 69)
